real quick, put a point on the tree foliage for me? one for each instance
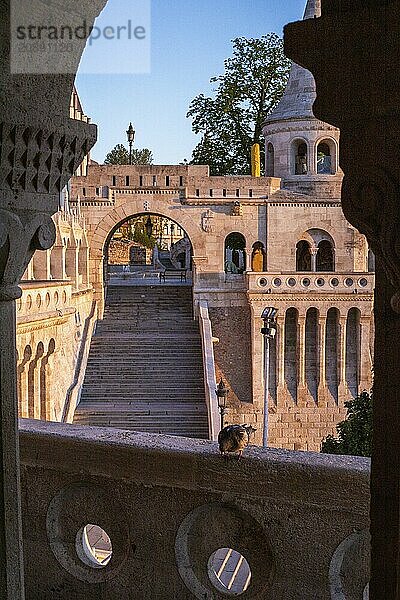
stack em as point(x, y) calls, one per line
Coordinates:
point(231, 121)
point(119, 155)
point(355, 432)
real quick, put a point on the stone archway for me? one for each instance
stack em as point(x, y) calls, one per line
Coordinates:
point(135, 206)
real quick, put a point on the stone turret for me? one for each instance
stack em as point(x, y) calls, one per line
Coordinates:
point(299, 148)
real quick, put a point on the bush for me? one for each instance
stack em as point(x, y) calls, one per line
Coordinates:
point(354, 434)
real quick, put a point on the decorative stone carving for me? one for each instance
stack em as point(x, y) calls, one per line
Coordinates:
point(370, 204)
point(206, 221)
point(237, 210)
point(35, 161)
point(19, 238)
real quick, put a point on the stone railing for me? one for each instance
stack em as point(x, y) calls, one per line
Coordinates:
point(168, 504)
point(43, 299)
point(209, 370)
point(73, 392)
point(306, 282)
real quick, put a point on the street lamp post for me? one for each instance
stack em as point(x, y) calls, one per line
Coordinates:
point(269, 332)
point(130, 134)
point(222, 395)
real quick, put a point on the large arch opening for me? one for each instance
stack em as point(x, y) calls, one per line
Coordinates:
point(148, 246)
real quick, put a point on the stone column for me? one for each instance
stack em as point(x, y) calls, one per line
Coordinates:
point(314, 252)
point(249, 254)
point(360, 96)
point(41, 265)
point(364, 350)
point(41, 149)
point(280, 352)
point(18, 241)
point(322, 354)
point(302, 354)
point(342, 388)
point(57, 262)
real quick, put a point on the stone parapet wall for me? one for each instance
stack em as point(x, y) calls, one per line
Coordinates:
point(153, 494)
point(51, 322)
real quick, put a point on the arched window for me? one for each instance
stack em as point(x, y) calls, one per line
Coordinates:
point(258, 258)
point(324, 159)
point(270, 161)
point(303, 256)
point(325, 256)
point(235, 256)
point(300, 157)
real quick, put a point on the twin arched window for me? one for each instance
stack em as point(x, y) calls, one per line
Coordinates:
point(319, 256)
point(325, 157)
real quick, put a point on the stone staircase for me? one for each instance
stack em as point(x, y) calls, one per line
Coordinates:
point(145, 367)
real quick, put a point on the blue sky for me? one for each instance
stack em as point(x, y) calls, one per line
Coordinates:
point(189, 41)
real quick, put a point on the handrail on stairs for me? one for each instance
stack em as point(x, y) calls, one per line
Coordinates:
point(73, 392)
point(210, 383)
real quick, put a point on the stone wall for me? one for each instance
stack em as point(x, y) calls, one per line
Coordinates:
point(51, 327)
point(232, 326)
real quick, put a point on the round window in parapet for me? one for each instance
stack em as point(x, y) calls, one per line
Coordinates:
point(277, 282)
point(306, 282)
point(291, 282)
point(334, 282)
point(348, 282)
point(320, 282)
point(262, 282)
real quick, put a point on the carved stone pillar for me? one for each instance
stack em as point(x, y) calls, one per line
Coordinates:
point(314, 252)
point(361, 96)
point(280, 353)
point(342, 358)
point(322, 354)
point(302, 356)
point(41, 147)
point(365, 359)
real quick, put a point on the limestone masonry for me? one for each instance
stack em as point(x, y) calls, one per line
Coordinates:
point(279, 240)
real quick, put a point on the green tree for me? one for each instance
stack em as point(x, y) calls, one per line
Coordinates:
point(231, 121)
point(355, 432)
point(119, 155)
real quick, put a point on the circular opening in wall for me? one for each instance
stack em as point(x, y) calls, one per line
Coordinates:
point(291, 282)
point(93, 546)
point(56, 298)
point(277, 282)
point(305, 281)
point(64, 297)
point(363, 282)
point(262, 282)
point(320, 281)
point(334, 282)
point(47, 299)
point(229, 571)
point(28, 301)
point(38, 301)
point(349, 281)
point(19, 304)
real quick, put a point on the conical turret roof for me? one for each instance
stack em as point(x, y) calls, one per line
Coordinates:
point(300, 93)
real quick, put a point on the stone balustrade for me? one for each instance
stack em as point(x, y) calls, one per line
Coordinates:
point(332, 283)
point(167, 504)
point(39, 299)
